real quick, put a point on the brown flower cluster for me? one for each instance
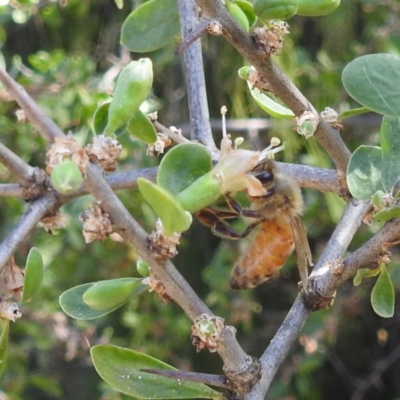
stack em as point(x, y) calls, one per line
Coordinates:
point(96, 223)
point(163, 246)
point(270, 39)
point(104, 151)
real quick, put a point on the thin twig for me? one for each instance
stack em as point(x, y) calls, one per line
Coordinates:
point(47, 128)
point(195, 80)
point(175, 137)
point(207, 379)
point(35, 212)
point(22, 171)
point(11, 190)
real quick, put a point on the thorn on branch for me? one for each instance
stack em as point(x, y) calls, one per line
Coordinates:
point(203, 26)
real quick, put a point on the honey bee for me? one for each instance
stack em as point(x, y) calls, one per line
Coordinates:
point(277, 227)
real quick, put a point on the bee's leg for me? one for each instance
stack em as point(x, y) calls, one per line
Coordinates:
point(224, 230)
point(244, 212)
point(210, 217)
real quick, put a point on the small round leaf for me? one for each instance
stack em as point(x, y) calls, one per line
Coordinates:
point(382, 295)
point(141, 128)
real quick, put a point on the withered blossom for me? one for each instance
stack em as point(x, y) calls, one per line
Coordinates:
point(53, 222)
point(206, 332)
point(270, 39)
point(307, 124)
point(12, 280)
point(104, 151)
point(66, 148)
point(163, 246)
point(96, 223)
point(158, 287)
point(159, 146)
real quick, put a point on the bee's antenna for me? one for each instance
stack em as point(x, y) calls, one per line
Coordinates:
point(253, 143)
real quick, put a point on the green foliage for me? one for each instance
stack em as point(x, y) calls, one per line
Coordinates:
point(4, 328)
point(73, 303)
point(264, 101)
point(122, 369)
point(66, 177)
point(141, 128)
point(238, 14)
point(276, 9)
point(34, 272)
point(316, 8)
point(173, 217)
point(364, 172)
point(372, 80)
point(382, 295)
point(182, 166)
point(132, 87)
point(151, 26)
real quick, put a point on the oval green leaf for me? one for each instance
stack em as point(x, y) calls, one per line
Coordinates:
point(71, 301)
point(112, 293)
point(173, 217)
point(100, 118)
point(363, 273)
point(364, 172)
point(238, 14)
point(4, 328)
point(387, 214)
point(141, 128)
point(374, 81)
point(270, 106)
point(382, 295)
point(66, 177)
point(121, 369)
point(390, 145)
point(247, 8)
point(182, 165)
point(34, 272)
point(133, 85)
point(151, 26)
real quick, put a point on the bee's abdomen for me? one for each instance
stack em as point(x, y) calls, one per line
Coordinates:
point(268, 252)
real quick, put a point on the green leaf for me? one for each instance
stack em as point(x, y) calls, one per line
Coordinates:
point(151, 26)
point(363, 172)
point(121, 368)
point(173, 217)
point(133, 85)
point(353, 112)
point(182, 165)
point(141, 128)
point(4, 328)
point(34, 272)
point(390, 145)
point(363, 273)
point(112, 293)
point(73, 305)
point(247, 8)
point(66, 177)
point(387, 214)
point(238, 14)
point(382, 295)
point(374, 81)
point(275, 9)
point(100, 118)
point(270, 106)
point(119, 4)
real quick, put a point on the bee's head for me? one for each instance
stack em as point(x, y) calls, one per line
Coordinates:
point(265, 173)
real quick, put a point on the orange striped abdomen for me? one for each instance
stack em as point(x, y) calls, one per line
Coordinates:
point(267, 253)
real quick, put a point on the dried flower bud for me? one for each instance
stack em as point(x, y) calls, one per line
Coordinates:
point(104, 151)
point(215, 29)
point(206, 332)
point(96, 224)
point(163, 246)
point(66, 148)
point(12, 280)
point(270, 40)
point(53, 222)
point(331, 117)
point(9, 309)
point(158, 287)
point(21, 117)
point(158, 147)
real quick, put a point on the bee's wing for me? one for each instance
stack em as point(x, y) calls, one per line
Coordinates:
point(303, 252)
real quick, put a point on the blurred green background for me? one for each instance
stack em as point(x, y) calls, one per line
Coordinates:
point(61, 51)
